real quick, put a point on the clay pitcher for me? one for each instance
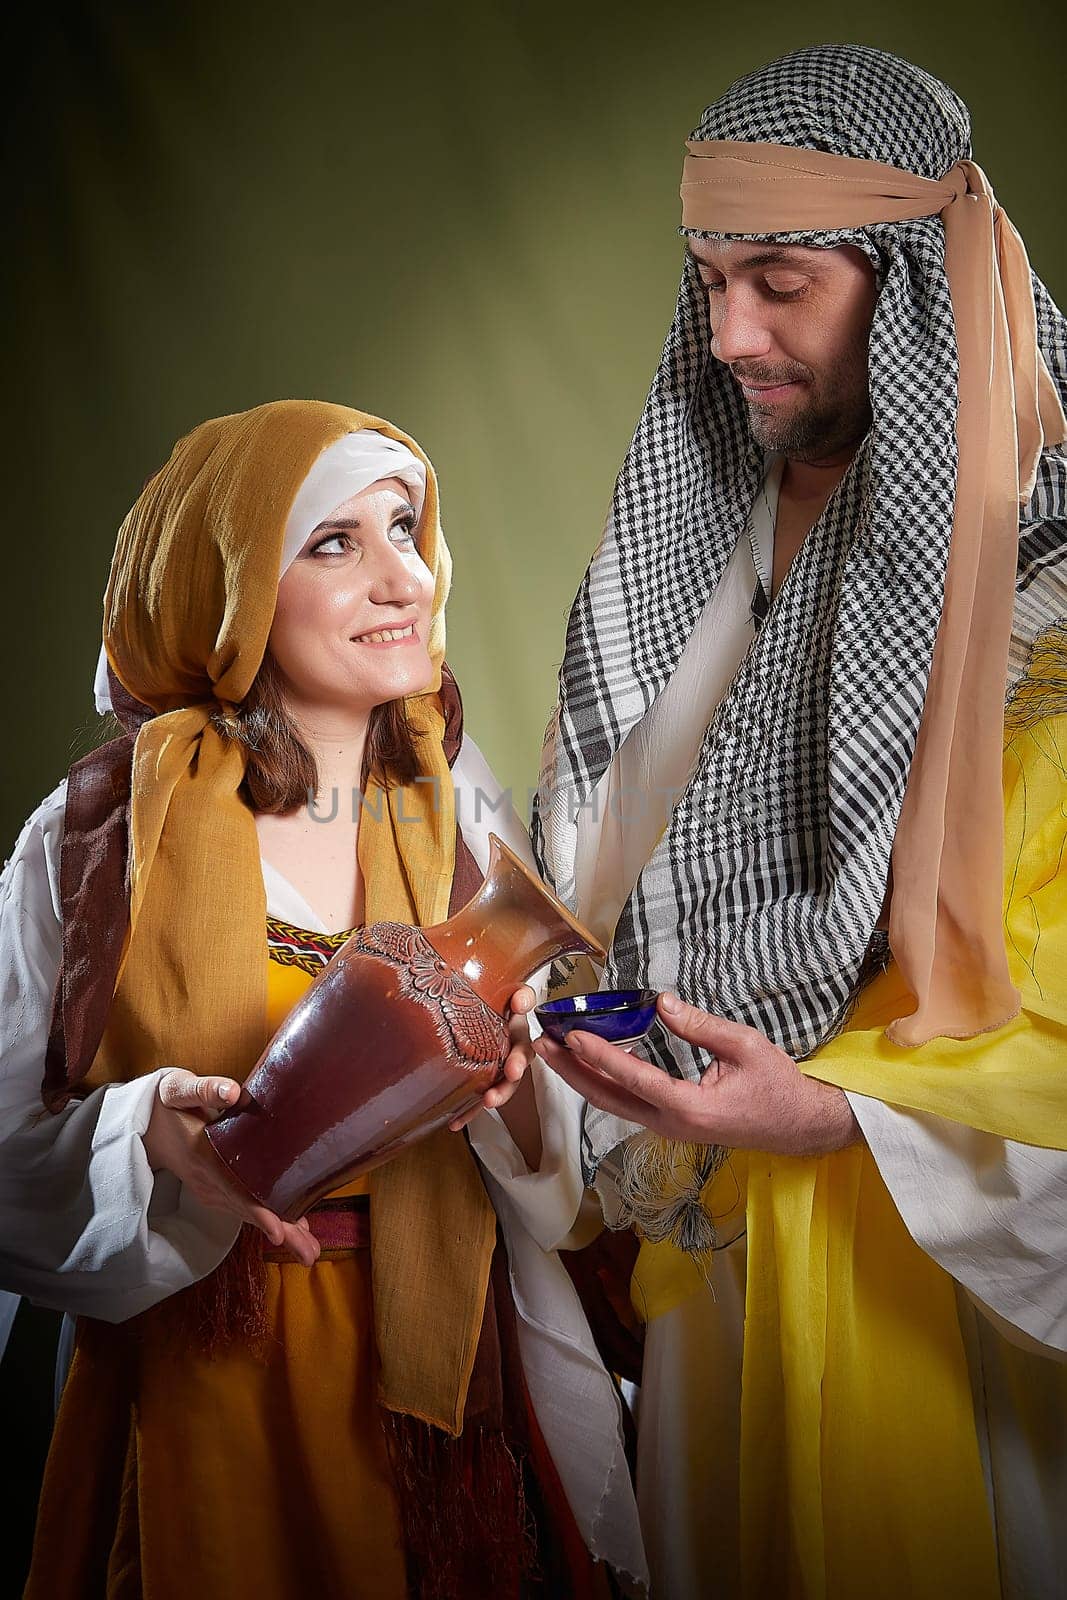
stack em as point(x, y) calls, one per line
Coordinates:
point(402, 1031)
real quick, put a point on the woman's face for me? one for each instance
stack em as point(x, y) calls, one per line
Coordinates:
point(352, 619)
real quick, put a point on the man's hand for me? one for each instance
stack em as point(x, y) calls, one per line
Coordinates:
point(752, 1097)
point(518, 1058)
point(175, 1140)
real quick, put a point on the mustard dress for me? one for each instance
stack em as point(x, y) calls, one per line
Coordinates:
point(256, 1472)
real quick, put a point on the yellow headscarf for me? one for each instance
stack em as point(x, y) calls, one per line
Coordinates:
point(187, 616)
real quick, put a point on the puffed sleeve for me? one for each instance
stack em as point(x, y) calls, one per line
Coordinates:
point(85, 1226)
point(989, 1210)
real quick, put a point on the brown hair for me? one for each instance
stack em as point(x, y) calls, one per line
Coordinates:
point(281, 773)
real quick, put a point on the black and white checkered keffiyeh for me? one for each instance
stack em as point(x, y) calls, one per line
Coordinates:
point(761, 899)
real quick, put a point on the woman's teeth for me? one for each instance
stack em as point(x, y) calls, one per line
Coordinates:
point(386, 635)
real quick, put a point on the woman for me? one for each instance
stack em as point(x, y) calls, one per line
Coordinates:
point(338, 1407)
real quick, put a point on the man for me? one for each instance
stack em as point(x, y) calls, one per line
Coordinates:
point(838, 536)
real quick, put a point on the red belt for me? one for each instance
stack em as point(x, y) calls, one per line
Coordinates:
point(341, 1226)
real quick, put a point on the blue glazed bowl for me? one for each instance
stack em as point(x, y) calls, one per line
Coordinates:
point(621, 1016)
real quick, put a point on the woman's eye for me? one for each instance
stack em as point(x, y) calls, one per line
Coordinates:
point(335, 544)
point(403, 533)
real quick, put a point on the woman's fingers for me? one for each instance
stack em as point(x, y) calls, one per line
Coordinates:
point(177, 1140)
point(522, 1001)
point(296, 1237)
point(458, 1124)
point(302, 1243)
point(180, 1090)
point(517, 1063)
point(268, 1224)
point(501, 1092)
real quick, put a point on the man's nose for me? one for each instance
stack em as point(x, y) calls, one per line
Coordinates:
point(738, 330)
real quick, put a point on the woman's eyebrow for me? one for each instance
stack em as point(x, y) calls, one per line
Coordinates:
point(349, 524)
point(338, 524)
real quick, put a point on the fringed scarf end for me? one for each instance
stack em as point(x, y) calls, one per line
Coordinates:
point(661, 1190)
point(226, 1308)
point(467, 1528)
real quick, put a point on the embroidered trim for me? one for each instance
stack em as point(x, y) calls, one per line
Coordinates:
point(291, 946)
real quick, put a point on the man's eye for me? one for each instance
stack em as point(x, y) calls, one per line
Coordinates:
point(403, 533)
point(785, 290)
point(715, 287)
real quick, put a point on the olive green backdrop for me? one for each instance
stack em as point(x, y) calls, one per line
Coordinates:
point(462, 217)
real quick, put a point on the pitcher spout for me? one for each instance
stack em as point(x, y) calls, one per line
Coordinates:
point(513, 926)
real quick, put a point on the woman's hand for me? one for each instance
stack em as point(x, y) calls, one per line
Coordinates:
point(175, 1140)
point(514, 1095)
point(752, 1097)
point(518, 1058)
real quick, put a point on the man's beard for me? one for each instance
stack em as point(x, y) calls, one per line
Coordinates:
point(816, 427)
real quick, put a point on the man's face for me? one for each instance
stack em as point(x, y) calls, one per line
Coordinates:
point(793, 325)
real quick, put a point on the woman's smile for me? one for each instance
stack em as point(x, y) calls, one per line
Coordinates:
point(407, 634)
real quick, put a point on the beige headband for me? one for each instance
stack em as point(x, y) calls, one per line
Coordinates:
point(724, 183)
point(946, 927)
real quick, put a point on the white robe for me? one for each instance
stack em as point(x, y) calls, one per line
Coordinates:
point(87, 1228)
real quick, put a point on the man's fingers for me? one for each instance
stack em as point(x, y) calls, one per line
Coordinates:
point(729, 1040)
point(595, 1087)
point(629, 1072)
